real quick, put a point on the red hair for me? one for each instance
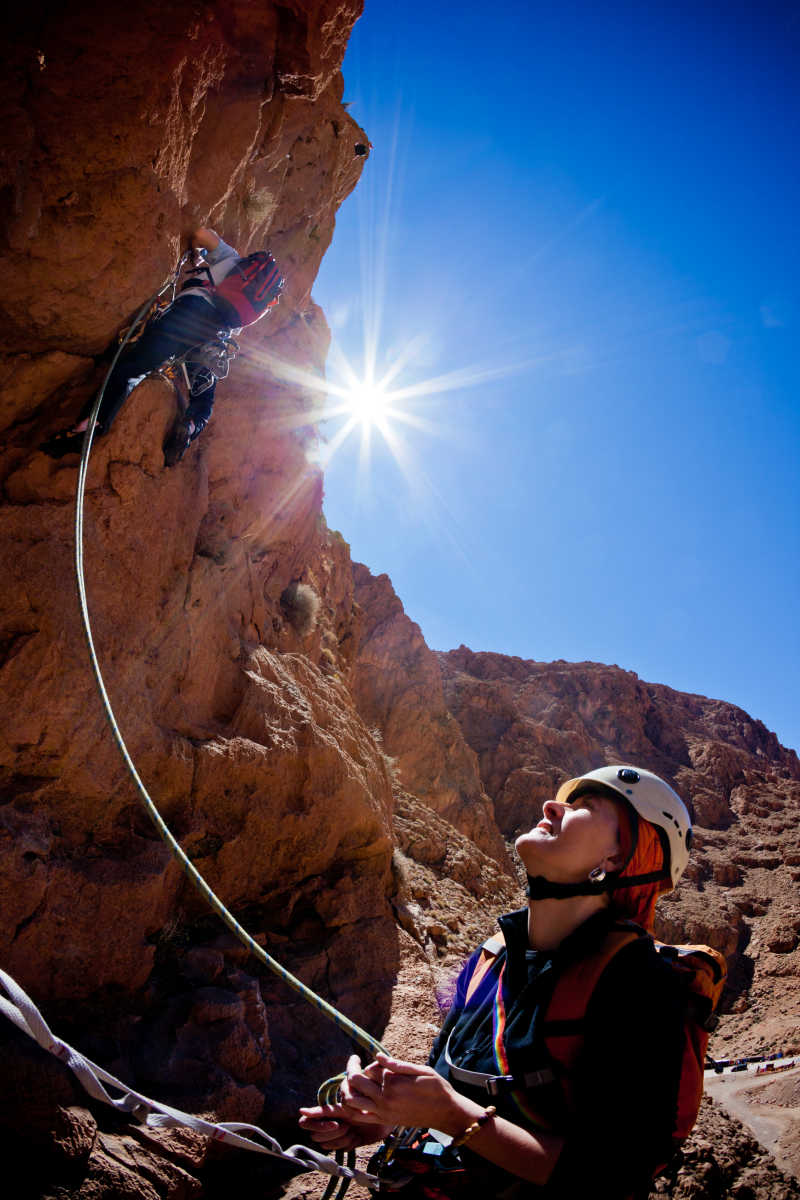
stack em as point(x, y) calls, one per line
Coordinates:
point(638, 903)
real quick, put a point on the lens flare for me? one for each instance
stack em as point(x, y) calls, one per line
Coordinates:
point(384, 400)
point(367, 402)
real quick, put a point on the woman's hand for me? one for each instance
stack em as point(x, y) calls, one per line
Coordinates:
point(332, 1130)
point(392, 1092)
point(339, 1127)
point(375, 1099)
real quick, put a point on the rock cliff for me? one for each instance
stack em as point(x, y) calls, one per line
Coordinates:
point(123, 132)
point(397, 687)
point(344, 789)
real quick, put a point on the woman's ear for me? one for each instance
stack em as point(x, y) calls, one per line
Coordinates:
point(615, 861)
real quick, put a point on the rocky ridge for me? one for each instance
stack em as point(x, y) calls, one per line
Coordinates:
point(343, 788)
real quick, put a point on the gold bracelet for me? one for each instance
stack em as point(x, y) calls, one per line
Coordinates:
point(477, 1124)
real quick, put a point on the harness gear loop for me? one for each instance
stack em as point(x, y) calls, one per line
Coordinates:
point(214, 358)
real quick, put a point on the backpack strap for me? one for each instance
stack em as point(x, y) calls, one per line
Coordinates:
point(576, 983)
point(564, 1022)
point(563, 1025)
point(490, 951)
point(193, 277)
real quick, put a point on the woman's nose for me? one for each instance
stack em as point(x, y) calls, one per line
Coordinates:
point(553, 808)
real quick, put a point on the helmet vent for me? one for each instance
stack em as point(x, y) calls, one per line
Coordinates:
point(628, 775)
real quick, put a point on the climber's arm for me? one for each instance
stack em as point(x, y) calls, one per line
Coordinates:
point(204, 239)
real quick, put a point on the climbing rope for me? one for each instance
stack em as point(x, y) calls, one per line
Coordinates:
point(328, 1090)
point(160, 302)
point(20, 1009)
point(359, 1035)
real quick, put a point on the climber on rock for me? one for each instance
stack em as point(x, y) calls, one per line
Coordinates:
point(221, 293)
point(581, 1101)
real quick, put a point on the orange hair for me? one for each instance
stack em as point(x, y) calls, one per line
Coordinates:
point(638, 903)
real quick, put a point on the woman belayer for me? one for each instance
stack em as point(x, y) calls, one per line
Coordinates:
point(560, 1068)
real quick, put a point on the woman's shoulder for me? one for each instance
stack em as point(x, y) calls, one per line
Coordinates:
point(642, 975)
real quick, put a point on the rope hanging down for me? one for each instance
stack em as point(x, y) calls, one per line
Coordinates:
point(359, 1035)
point(20, 1009)
point(328, 1090)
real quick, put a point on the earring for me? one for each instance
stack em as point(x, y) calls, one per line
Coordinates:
point(597, 875)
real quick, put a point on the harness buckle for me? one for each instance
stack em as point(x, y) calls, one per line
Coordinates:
point(495, 1083)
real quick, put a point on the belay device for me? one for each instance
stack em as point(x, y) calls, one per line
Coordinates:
point(411, 1155)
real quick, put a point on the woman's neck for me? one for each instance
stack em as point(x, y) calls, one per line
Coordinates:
point(551, 921)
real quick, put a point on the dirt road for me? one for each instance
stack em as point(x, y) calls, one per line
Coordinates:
point(776, 1128)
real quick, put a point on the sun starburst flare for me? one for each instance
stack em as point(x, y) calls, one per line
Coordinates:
point(357, 403)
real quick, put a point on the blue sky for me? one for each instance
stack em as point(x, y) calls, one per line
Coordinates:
point(586, 216)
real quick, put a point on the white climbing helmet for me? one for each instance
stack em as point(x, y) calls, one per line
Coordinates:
point(652, 798)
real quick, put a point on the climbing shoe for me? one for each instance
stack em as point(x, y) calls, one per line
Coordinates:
point(177, 442)
point(65, 442)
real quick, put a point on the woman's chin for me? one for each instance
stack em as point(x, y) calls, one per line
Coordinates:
point(529, 846)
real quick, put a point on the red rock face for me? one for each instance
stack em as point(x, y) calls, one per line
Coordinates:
point(398, 688)
point(125, 130)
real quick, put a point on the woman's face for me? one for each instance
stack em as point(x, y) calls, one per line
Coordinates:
point(572, 839)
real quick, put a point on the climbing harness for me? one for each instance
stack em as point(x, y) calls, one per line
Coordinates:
point(210, 361)
point(20, 1009)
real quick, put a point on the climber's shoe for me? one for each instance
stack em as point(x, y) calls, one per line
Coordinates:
point(177, 441)
point(65, 442)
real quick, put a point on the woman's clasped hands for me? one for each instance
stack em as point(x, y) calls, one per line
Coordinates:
point(376, 1098)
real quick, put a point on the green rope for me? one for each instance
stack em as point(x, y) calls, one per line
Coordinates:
point(328, 1090)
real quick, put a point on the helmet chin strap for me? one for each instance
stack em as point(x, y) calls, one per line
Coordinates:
point(540, 888)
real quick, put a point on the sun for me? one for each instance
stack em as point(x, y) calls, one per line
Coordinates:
point(367, 402)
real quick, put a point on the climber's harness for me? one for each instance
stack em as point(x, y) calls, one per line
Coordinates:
point(210, 361)
point(194, 371)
